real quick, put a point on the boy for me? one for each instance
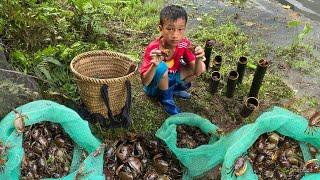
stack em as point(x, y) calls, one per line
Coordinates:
point(162, 72)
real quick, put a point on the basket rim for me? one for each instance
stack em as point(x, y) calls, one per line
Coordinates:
point(96, 80)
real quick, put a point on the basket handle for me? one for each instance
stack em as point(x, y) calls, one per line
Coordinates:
point(123, 119)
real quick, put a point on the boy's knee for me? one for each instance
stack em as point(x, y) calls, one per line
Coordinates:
point(161, 71)
point(202, 70)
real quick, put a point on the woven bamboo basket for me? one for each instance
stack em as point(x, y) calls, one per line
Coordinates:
point(93, 69)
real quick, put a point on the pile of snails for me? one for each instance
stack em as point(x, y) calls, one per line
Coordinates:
point(276, 157)
point(140, 157)
point(191, 137)
point(48, 151)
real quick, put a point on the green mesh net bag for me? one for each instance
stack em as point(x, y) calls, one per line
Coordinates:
point(73, 125)
point(226, 149)
point(277, 119)
point(202, 158)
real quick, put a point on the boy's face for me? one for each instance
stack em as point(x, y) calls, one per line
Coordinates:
point(172, 32)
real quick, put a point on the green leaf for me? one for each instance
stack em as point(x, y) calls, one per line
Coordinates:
point(76, 44)
point(2, 23)
point(49, 51)
point(65, 53)
point(108, 9)
point(52, 60)
point(306, 30)
point(87, 6)
point(20, 58)
point(46, 73)
point(251, 66)
point(294, 23)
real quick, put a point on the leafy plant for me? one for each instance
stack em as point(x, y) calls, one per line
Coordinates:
point(43, 68)
point(31, 26)
point(21, 60)
point(302, 34)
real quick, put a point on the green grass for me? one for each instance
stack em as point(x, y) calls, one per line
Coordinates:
point(299, 57)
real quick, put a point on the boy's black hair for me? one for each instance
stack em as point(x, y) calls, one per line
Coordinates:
point(173, 12)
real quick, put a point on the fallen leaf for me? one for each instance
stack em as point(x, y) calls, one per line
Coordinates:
point(249, 23)
point(286, 6)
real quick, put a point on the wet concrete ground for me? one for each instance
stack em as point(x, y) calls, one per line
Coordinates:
point(310, 8)
point(266, 21)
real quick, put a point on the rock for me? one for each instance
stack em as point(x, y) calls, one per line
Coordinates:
point(15, 92)
point(15, 89)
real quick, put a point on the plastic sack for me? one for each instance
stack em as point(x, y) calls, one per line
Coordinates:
point(227, 149)
point(73, 125)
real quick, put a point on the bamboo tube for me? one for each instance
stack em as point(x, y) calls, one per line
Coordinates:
point(217, 63)
point(207, 52)
point(241, 68)
point(215, 80)
point(258, 78)
point(249, 106)
point(231, 83)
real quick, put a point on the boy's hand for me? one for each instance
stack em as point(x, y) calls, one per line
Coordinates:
point(199, 53)
point(157, 56)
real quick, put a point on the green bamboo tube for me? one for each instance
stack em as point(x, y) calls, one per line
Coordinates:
point(241, 68)
point(258, 78)
point(231, 83)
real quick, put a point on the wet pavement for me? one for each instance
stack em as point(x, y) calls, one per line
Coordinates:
point(267, 21)
point(310, 8)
